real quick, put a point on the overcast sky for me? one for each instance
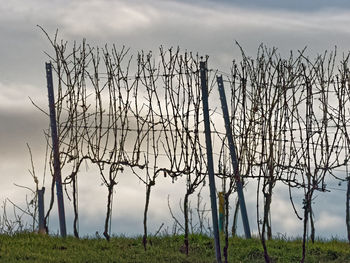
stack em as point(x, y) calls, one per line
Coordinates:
point(206, 27)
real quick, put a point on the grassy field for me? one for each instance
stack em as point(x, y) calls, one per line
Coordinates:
point(37, 248)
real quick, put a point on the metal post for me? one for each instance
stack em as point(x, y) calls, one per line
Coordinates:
point(214, 213)
point(57, 168)
point(233, 157)
point(41, 209)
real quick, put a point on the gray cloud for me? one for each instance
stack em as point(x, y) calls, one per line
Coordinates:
point(295, 6)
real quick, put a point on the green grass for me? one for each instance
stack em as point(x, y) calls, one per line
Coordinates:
point(37, 248)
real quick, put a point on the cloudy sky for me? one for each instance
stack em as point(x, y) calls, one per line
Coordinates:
point(206, 27)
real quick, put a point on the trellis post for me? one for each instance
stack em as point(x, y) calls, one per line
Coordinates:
point(233, 157)
point(56, 164)
point(203, 76)
point(41, 211)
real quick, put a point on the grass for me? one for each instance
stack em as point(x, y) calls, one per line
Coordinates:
point(28, 247)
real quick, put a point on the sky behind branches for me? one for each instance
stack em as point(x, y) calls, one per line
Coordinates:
point(207, 27)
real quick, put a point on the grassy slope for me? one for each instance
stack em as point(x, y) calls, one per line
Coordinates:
point(36, 248)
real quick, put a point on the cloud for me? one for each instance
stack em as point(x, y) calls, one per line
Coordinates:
point(137, 17)
point(283, 217)
point(105, 18)
point(328, 222)
point(296, 6)
point(203, 27)
point(16, 95)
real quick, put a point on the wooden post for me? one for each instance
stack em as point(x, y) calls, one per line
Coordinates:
point(221, 212)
